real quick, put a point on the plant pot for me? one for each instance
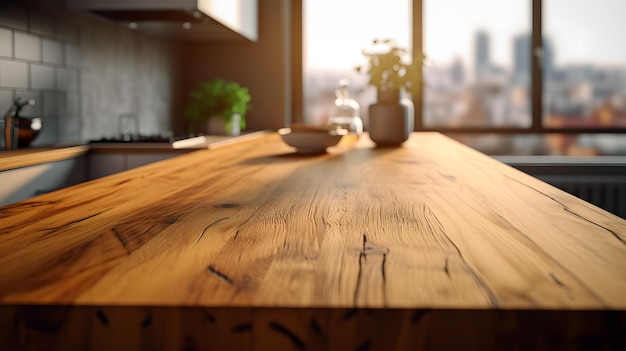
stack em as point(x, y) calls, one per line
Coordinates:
point(218, 126)
point(390, 119)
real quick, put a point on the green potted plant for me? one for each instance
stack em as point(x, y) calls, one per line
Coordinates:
point(388, 70)
point(391, 118)
point(220, 100)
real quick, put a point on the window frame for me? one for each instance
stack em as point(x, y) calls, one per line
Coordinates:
point(536, 126)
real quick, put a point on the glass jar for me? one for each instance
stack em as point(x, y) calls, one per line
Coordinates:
point(346, 112)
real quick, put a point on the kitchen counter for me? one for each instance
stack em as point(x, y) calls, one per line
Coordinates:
point(431, 245)
point(29, 157)
point(34, 156)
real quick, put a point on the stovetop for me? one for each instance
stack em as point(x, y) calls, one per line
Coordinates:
point(136, 139)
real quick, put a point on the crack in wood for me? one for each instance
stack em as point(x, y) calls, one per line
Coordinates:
point(579, 281)
point(358, 281)
point(369, 248)
point(220, 275)
point(418, 315)
point(208, 316)
point(364, 248)
point(123, 182)
point(568, 210)
point(316, 327)
point(59, 228)
point(236, 234)
point(207, 227)
point(240, 328)
point(446, 268)
point(492, 297)
point(558, 282)
point(351, 313)
point(226, 205)
point(295, 340)
point(382, 267)
point(102, 317)
point(121, 240)
point(170, 220)
point(146, 322)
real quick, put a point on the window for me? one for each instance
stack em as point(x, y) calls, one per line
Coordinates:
point(584, 71)
point(477, 71)
point(516, 76)
point(334, 33)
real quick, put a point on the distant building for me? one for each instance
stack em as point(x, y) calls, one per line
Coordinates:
point(457, 72)
point(482, 60)
point(522, 56)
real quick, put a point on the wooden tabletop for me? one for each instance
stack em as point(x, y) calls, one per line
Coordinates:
point(248, 246)
point(430, 224)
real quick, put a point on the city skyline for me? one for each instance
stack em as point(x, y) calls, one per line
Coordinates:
point(455, 84)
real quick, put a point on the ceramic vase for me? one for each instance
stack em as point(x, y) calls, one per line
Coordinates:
point(390, 119)
point(218, 126)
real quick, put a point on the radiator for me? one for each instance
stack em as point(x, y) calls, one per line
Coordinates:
point(607, 192)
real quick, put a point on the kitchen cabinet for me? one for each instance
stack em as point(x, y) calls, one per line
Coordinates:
point(104, 161)
point(104, 164)
point(27, 173)
point(114, 157)
point(181, 19)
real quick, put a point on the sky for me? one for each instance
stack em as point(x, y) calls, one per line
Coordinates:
point(583, 31)
point(450, 26)
point(587, 30)
point(339, 29)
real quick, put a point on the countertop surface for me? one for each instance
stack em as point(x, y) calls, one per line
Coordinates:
point(38, 155)
point(430, 224)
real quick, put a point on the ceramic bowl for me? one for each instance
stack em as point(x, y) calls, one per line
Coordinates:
point(311, 141)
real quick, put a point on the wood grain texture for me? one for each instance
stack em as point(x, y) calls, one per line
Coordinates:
point(432, 224)
point(31, 157)
point(427, 246)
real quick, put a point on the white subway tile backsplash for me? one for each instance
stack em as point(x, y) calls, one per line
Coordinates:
point(72, 105)
point(69, 129)
point(76, 70)
point(53, 104)
point(52, 51)
point(67, 79)
point(27, 46)
point(72, 55)
point(6, 100)
point(13, 74)
point(42, 77)
point(6, 43)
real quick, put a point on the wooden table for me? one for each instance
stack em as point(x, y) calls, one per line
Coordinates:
point(430, 245)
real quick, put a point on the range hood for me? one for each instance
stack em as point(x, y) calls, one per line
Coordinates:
point(180, 19)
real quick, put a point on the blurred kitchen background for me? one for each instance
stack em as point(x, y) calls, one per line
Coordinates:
point(84, 69)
